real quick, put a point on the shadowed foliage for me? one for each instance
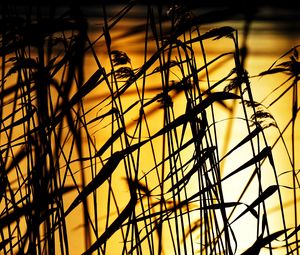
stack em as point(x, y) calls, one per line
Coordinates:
point(105, 154)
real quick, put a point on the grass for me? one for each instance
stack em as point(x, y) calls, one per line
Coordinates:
point(72, 137)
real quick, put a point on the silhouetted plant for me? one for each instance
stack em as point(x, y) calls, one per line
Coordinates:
point(62, 150)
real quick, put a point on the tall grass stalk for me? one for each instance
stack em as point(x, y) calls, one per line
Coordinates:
point(100, 156)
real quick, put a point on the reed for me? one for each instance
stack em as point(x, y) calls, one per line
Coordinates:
point(79, 122)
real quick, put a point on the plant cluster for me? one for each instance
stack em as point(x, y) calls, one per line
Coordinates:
point(72, 134)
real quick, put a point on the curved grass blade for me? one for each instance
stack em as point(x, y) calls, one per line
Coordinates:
point(263, 154)
point(257, 158)
point(215, 33)
point(248, 138)
point(262, 197)
point(273, 71)
point(207, 102)
point(110, 142)
point(106, 171)
point(110, 112)
point(125, 214)
point(295, 231)
point(86, 88)
point(262, 242)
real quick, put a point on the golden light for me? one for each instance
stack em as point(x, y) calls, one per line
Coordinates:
point(161, 144)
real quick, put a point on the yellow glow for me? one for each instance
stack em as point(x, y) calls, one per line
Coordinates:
point(231, 128)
